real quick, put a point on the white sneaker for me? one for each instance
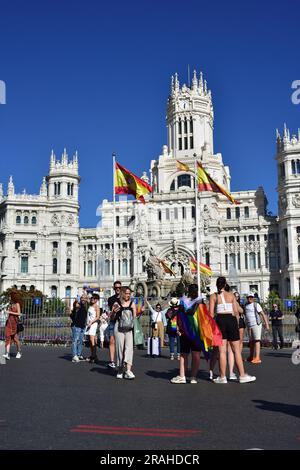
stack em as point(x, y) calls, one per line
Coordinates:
point(120, 375)
point(172, 357)
point(233, 376)
point(6, 355)
point(193, 380)
point(247, 378)
point(178, 380)
point(220, 380)
point(75, 359)
point(129, 375)
point(19, 355)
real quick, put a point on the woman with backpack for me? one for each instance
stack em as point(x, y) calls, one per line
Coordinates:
point(124, 312)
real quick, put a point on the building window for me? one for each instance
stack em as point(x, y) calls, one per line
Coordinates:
point(17, 244)
point(24, 264)
point(54, 266)
point(251, 238)
point(246, 212)
point(191, 142)
point(18, 219)
point(193, 212)
point(287, 255)
point(26, 220)
point(117, 221)
point(32, 245)
point(237, 212)
point(207, 258)
point(226, 262)
point(228, 213)
point(298, 230)
point(298, 167)
point(167, 214)
point(183, 212)
point(282, 170)
point(180, 127)
point(68, 266)
point(159, 216)
point(33, 220)
point(68, 291)
point(107, 267)
point(232, 260)
point(273, 261)
point(54, 292)
point(185, 143)
point(184, 180)
point(239, 261)
point(125, 267)
point(293, 167)
point(246, 260)
point(231, 239)
point(180, 143)
point(185, 126)
point(176, 213)
point(191, 125)
point(84, 268)
point(252, 261)
point(90, 268)
point(55, 244)
point(172, 187)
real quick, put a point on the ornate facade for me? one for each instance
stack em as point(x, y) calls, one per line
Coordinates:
point(42, 244)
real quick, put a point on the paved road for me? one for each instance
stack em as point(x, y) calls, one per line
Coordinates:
point(47, 402)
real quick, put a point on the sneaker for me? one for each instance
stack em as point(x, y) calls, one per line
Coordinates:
point(172, 357)
point(256, 361)
point(19, 355)
point(129, 375)
point(75, 359)
point(178, 357)
point(178, 380)
point(81, 358)
point(193, 380)
point(120, 375)
point(247, 378)
point(220, 380)
point(6, 355)
point(233, 376)
point(112, 365)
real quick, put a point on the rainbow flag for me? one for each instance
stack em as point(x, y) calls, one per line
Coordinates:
point(139, 304)
point(207, 183)
point(182, 166)
point(204, 269)
point(127, 182)
point(201, 329)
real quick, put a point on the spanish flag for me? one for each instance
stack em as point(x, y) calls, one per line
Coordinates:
point(166, 268)
point(128, 183)
point(207, 183)
point(204, 269)
point(182, 166)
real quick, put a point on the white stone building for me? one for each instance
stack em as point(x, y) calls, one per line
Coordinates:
point(42, 244)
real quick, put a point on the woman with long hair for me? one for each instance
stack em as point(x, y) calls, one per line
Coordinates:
point(93, 316)
point(226, 307)
point(124, 311)
point(11, 327)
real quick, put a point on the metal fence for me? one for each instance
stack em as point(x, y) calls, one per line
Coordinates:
point(47, 321)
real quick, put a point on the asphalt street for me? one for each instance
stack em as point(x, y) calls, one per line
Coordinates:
point(48, 402)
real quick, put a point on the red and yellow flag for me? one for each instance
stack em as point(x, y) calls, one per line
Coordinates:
point(182, 166)
point(127, 182)
point(207, 183)
point(204, 269)
point(166, 268)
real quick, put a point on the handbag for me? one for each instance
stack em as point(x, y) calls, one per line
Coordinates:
point(20, 327)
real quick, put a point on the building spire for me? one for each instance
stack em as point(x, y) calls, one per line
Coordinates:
point(176, 83)
point(195, 81)
point(201, 83)
point(11, 187)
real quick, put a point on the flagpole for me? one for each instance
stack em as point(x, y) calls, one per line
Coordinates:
point(115, 262)
point(197, 210)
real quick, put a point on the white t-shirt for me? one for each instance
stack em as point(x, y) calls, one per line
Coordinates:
point(250, 313)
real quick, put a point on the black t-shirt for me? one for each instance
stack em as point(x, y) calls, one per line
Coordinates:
point(111, 300)
point(79, 316)
point(274, 314)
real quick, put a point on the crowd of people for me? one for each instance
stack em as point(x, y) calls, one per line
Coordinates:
point(227, 316)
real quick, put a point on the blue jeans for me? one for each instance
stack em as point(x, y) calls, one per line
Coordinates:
point(172, 344)
point(77, 343)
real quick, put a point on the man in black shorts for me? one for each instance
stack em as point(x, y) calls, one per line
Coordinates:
point(111, 325)
point(187, 346)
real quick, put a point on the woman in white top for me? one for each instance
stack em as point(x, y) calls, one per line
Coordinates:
point(224, 304)
point(92, 325)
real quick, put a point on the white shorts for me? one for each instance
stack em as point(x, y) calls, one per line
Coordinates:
point(92, 330)
point(255, 332)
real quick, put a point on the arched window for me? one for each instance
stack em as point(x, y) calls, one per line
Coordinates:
point(33, 220)
point(90, 268)
point(184, 180)
point(54, 266)
point(23, 287)
point(125, 267)
point(32, 288)
point(252, 261)
point(68, 291)
point(231, 239)
point(26, 220)
point(55, 244)
point(18, 219)
point(54, 292)
point(68, 266)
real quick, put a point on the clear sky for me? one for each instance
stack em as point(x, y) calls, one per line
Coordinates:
point(95, 75)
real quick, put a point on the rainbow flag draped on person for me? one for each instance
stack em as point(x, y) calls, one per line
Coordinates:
point(204, 269)
point(127, 182)
point(200, 327)
point(139, 304)
point(207, 183)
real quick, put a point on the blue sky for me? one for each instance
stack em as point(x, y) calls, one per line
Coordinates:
point(95, 76)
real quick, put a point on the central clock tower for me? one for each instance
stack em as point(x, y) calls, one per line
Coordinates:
point(190, 118)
